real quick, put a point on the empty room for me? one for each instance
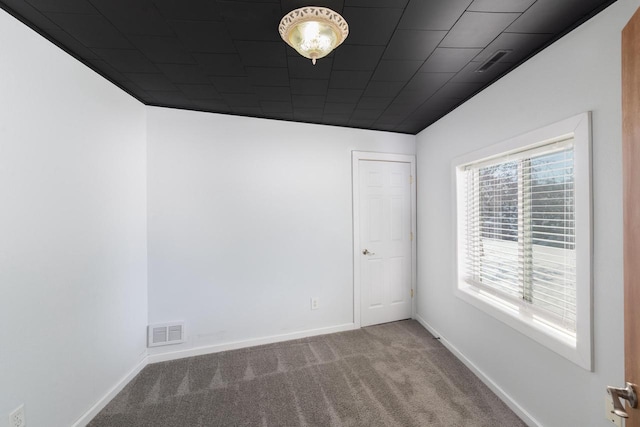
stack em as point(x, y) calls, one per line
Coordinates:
point(336, 213)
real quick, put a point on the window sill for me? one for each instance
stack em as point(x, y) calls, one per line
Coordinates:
point(561, 343)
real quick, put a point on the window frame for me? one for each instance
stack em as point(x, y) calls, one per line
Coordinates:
point(578, 350)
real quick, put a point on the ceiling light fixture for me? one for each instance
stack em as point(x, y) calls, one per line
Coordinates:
point(313, 31)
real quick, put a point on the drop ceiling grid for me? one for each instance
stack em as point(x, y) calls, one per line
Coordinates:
point(405, 64)
point(439, 78)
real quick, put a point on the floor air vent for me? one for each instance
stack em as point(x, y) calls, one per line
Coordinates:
point(493, 59)
point(165, 334)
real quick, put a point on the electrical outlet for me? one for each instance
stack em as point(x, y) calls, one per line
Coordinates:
point(16, 418)
point(608, 408)
point(314, 303)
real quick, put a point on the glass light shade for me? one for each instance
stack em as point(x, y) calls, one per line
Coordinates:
point(313, 31)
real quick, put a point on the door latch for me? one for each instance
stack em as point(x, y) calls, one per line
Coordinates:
point(628, 393)
point(366, 252)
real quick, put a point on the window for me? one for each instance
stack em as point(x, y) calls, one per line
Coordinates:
point(523, 234)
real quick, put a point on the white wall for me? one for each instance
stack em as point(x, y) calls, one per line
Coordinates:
point(73, 296)
point(580, 72)
point(249, 219)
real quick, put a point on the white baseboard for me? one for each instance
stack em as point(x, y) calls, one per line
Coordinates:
point(215, 348)
point(508, 400)
point(172, 355)
point(198, 351)
point(101, 403)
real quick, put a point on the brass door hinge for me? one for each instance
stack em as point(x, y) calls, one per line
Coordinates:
point(410, 179)
point(412, 236)
point(411, 292)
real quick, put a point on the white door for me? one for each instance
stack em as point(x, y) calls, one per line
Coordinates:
point(385, 252)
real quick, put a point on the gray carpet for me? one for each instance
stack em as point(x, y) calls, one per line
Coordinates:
point(394, 374)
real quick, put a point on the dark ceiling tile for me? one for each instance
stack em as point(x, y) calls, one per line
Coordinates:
point(126, 60)
point(168, 97)
point(197, 91)
point(361, 123)
point(308, 101)
point(134, 88)
point(268, 76)
point(166, 50)
point(456, 90)
point(335, 108)
point(366, 114)
point(469, 75)
point(401, 4)
point(257, 53)
point(374, 103)
point(383, 89)
point(63, 6)
point(371, 26)
point(397, 111)
point(308, 114)
point(309, 87)
point(192, 10)
point(407, 101)
point(413, 44)
point(500, 5)
point(71, 44)
point(477, 29)
point(247, 110)
point(349, 79)
point(149, 82)
point(226, 56)
point(281, 116)
point(388, 128)
point(33, 16)
point(429, 109)
point(424, 85)
point(389, 118)
point(432, 14)
point(276, 106)
point(441, 103)
point(335, 119)
point(345, 96)
point(184, 73)
point(519, 45)
point(257, 22)
point(204, 37)
point(240, 99)
point(216, 105)
point(232, 84)
point(397, 70)
point(269, 93)
point(107, 70)
point(134, 17)
point(410, 127)
point(300, 67)
point(352, 57)
point(91, 30)
point(220, 64)
point(551, 16)
point(445, 60)
point(289, 5)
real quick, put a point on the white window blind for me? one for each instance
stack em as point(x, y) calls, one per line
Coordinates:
point(523, 235)
point(519, 231)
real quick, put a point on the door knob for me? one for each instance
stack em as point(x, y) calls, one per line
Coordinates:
point(366, 252)
point(628, 393)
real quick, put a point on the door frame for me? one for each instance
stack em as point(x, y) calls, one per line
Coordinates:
point(630, 83)
point(356, 156)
